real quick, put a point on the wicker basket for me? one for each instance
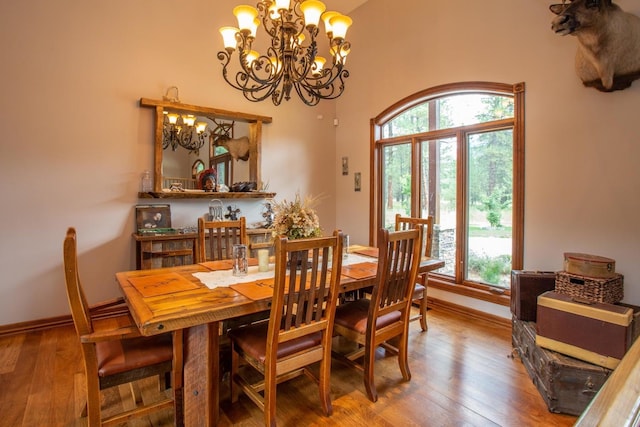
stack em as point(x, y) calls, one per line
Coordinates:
point(607, 290)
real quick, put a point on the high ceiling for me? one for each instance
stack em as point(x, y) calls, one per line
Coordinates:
point(343, 6)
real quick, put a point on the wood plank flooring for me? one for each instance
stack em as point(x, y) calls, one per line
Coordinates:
point(462, 375)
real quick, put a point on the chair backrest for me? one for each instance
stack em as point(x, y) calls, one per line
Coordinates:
point(398, 263)
point(216, 238)
point(406, 223)
point(75, 294)
point(305, 289)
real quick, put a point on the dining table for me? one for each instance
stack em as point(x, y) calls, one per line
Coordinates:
point(196, 298)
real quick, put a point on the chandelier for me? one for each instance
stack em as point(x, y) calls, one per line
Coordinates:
point(183, 131)
point(288, 64)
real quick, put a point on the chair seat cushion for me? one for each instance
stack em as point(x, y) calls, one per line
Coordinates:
point(252, 340)
point(119, 356)
point(418, 291)
point(353, 315)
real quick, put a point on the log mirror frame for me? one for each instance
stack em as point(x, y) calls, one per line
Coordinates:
point(253, 121)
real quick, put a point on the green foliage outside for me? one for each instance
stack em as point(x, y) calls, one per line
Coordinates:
point(492, 270)
point(490, 170)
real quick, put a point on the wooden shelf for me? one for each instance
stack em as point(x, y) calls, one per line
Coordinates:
point(207, 195)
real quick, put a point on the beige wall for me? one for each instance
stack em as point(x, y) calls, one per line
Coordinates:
point(582, 190)
point(74, 141)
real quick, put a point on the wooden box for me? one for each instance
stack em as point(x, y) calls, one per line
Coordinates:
point(608, 290)
point(589, 265)
point(525, 288)
point(567, 385)
point(598, 333)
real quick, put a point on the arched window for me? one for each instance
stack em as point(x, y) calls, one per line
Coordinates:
point(456, 152)
point(196, 168)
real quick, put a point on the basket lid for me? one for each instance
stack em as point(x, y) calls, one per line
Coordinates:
point(577, 256)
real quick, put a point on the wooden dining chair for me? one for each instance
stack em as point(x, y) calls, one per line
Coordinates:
point(119, 355)
point(299, 330)
point(216, 238)
point(372, 322)
point(420, 289)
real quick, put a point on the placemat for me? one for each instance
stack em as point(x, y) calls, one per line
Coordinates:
point(361, 270)
point(372, 252)
point(257, 290)
point(225, 278)
point(150, 286)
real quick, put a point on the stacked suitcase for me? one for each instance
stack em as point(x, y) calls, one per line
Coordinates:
point(567, 384)
point(581, 317)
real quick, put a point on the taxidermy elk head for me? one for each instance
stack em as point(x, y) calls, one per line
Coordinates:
point(238, 148)
point(608, 56)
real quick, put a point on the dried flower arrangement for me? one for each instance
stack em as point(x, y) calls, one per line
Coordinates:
point(296, 219)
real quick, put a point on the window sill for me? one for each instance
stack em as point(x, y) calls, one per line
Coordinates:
point(496, 296)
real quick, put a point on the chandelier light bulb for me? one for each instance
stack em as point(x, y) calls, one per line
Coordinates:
point(189, 120)
point(254, 29)
point(246, 16)
point(339, 25)
point(339, 54)
point(319, 64)
point(282, 4)
point(173, 118)
point(200, 127)
point(273, 12)
point(312, 9)
point(229, 37)
point(326, 18)
point(252, 56)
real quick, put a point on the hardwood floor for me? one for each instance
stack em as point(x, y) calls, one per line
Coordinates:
point(462, 375)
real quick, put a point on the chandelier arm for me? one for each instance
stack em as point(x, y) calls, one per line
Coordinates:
point(328, 89)
point(307, 96)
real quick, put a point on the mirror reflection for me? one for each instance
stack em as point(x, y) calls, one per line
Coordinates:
point(192, 144)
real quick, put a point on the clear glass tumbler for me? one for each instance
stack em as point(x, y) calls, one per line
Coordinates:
point(345, 246)
point(240, 263)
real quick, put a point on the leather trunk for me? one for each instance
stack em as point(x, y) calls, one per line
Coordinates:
point(525, 288)
point(598, 333)
point(567, 385)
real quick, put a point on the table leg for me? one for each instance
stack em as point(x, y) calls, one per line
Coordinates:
point(201, 375)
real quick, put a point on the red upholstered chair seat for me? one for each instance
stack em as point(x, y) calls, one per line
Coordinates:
point(119, 356)
point(354, 315)
point(253, 341)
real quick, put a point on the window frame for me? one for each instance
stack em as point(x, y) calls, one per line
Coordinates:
point(516, 91)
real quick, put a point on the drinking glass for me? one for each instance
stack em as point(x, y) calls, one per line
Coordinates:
point(240, 263)
point(345, 246)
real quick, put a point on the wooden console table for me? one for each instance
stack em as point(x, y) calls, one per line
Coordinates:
point(175, 249)
point(165, 250)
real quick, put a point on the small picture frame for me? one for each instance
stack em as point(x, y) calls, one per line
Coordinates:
point(154, 217)
point(345, 166)
point(357, 181)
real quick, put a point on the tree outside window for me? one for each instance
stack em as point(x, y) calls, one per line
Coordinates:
point(456, 153)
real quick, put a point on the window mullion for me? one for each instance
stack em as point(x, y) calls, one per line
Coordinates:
point(416, 174)
point(461, 206)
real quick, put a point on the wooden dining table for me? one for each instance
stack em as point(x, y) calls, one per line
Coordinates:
point(168, 299)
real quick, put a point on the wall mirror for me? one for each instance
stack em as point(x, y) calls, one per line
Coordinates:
point(227, 141)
